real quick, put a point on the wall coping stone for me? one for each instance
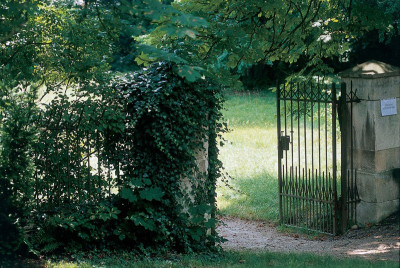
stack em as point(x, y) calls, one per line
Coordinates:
point(371, 69)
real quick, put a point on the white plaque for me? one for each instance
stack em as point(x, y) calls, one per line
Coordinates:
point(388, 107)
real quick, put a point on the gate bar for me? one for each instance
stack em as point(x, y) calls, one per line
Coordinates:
point(343, 156)
point(280, 152)
point(334, 173)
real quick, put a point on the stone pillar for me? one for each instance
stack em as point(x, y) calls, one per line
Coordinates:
point(376, 138)
point(193, 186)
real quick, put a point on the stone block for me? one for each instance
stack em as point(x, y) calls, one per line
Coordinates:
point(375, 161)
point(371, 130)
point(377, 187)
point(375, 88)
point(363, 126)
point(387, 128)
point(375, 212)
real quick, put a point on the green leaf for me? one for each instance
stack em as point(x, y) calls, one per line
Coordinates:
point(190, 73)
point(142, 220)
point(143, 59)
point(127, 193)
point(150, 194)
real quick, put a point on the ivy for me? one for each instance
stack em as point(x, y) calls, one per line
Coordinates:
point(116, 169)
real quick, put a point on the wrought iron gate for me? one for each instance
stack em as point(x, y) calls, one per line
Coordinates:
point(312, 194)
point(307, 161)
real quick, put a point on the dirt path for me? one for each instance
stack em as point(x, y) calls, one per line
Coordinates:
point(380, 242)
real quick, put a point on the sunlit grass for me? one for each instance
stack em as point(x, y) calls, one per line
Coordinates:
point(250, 157)
point(250, 154)
point(228, 259)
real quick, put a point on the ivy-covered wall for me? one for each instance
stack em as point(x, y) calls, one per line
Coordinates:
point(129, 165)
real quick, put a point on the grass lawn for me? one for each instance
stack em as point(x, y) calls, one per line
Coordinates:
point(226, 259)
point(250, 157)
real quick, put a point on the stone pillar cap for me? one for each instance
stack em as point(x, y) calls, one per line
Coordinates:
point(371, 69)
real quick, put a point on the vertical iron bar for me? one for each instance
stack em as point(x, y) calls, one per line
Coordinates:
point(319, 177)
point(284, 198)
point(343, 149)
point(88, 166)
point(355, 195)
point(309, 202)
point(317, 218)
point(334, 165)
point(305, 209)
point(319, 130)
point(294, 179)
point(312, 153)
point(323, 203)
point(278, 116)
point(303, 201)
point(98, 164)
point(57, 191)
point(351, 151)
point(68, 169)
point(299, 201)
point(298, 126)
point(326, 135)
point(36, 187)
point(348, 197)
point(297, 178)
point(78, 163)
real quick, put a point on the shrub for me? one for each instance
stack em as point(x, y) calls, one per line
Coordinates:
point(109, 162)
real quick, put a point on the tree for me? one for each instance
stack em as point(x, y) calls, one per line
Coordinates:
point(238, 34)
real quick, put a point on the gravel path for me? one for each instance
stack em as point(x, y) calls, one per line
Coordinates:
point(381, 242)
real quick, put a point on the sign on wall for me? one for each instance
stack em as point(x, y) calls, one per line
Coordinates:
point(388, 107)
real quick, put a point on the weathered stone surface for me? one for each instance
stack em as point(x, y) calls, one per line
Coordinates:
point(375, 138)
point(375, 88)
point(188, 185)
point(376, 161)
point(377, 187)
point(375, 212)
point(371, 130)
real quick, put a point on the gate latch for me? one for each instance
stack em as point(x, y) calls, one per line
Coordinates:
point(285, 141)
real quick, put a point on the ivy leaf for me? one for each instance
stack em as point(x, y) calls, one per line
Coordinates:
point(150, 194)
point(127, 193)
point(147, 223)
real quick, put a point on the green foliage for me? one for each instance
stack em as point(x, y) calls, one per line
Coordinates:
point(169, 120)
point(102, 166)
point(315, 35)
point(86, 164)
point(17, 136)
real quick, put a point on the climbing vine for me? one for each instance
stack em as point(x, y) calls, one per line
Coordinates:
point(119, 168)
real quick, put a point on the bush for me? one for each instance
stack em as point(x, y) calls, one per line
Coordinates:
point(109, 163)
